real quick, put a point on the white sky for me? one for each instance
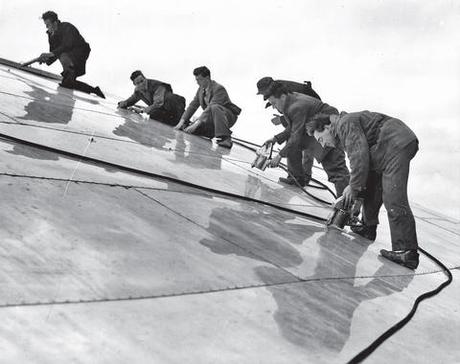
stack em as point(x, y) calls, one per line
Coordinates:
point(400, 57)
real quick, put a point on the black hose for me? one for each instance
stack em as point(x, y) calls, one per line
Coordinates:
point(321, 186)
point(399, 325)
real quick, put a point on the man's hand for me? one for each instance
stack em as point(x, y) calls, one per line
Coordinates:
point(45, 57)
point(276, 120)
point(349, 196)
point(275, 161)
point(191, 128)
point(270, 141)
point(123, 104)
point(180, 124)
point(148, 109)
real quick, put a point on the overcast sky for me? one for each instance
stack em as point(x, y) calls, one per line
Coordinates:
point(401, 58)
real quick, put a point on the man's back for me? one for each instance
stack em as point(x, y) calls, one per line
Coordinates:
point(388, 132)
point(66, 38)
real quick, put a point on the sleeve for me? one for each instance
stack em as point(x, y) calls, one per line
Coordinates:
point(357, 149)
point(69, 33)
point(159, 97)
point(192, 107)
point(133, 99)
point(296, 131)
point(283, 136)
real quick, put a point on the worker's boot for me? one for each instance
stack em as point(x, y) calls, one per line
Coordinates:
point(407, 258)
point(225, 142)
point(366, 231)
point(98, 92)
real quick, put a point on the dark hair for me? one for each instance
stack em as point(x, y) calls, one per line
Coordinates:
point(135, 74)
point(276, 90)
point(203, 71)
point(51, 15)
point(317, 123)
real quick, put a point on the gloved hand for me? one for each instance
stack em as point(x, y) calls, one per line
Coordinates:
point(270, 141)
point(275, 161)
point(276, 120)
point(349, 196)
point(122, 104)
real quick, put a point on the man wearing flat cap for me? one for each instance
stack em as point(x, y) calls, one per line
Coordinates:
point(297, 109)
point(305, 88)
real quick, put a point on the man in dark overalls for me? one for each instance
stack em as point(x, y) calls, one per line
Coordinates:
point(263, 85)
point(162, 104)
point(380, 149)
point(296, 109)
point(67, 45)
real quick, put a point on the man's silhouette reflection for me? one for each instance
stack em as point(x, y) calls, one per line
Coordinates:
point(45, 107)
point(318, 315)
point(263, 233)
point(142, 131)
point(198, 153)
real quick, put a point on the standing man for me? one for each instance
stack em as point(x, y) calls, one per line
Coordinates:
point(162, 104)
point(297, 108)
point(380, 149)
point(67, 45)
point(219, 113)
point(263, 85)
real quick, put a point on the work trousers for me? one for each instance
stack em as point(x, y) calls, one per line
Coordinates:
point(389, 186)
point(69, 75)
point(333, 162)
point(216, 122)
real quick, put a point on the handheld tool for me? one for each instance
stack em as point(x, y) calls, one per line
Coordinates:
point(264, 155)
point(340, 216)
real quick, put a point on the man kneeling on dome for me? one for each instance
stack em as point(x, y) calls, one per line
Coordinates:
point(379, 148)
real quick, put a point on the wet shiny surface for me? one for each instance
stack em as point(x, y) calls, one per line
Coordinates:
point(100, 265)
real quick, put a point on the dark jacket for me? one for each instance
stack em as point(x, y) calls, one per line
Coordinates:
point(302, 88)
point(299, 108)
point(369, 139)
point(153, 95)
point(215, 94)
point(67, 39)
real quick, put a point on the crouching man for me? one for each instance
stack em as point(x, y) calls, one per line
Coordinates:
point(163, 104)
point(379, 149)
point(219, 113)
point(70, 48)
point(263, 87)
point(296, 109)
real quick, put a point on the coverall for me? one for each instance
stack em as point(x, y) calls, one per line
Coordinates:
point(380, 149)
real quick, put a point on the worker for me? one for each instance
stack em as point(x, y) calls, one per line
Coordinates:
point(162, 104)
point(67, 45)
point(297, 108)
point(379, 148)
point(219, 113)
point(304, 88)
